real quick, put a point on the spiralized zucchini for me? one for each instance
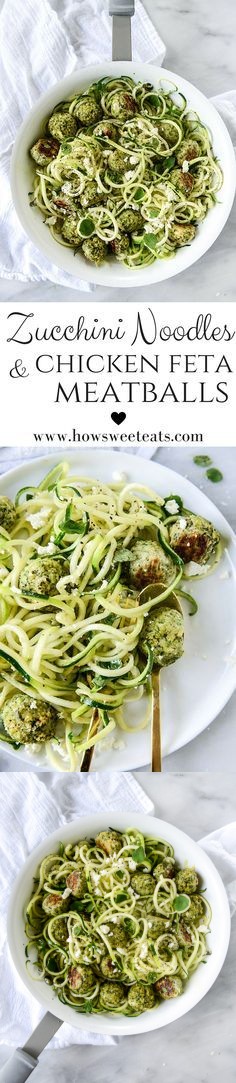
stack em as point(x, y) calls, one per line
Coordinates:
point(130, 172)
point(114, 924)
point(76, 646)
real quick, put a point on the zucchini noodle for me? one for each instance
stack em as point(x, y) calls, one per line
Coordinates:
point(72, 621)
point(127, 170)
point(114, 924)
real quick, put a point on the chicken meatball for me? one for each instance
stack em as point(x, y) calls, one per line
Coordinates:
point(40, 576)
point(62, 126)
point(81, 979)
point(167, 131)
point(149, 564)
point(196, 911)
point(187, 881)
point(88, 110)
point(91, 197)
point(95, 250)
point(117, 936)
point(44, 151)
point(182, 181)
point(181, 233)
point(141, 997)
point(58, 930)
point(187, 152)
point(54, 903)
point(29, 721)
point(106, 130)
point(184, 935)
point(76, 881)
point(109, 841)
point(156, 927)
point(163, 633)
point(109, 968)
point(70, 231)
point(8, 514)
point(122, 105)
point(168, 987)
point(112, 995)
point(142, 883)
point(165, 868)
point(130, 220)
point(120, 245)
point(118, 162)
point(193, 538)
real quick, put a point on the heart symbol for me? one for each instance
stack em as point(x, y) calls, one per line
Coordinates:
point(118, 418)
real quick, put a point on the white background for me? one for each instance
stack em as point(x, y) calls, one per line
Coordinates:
point(29, 402)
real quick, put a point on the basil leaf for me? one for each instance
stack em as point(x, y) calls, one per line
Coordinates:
point(214, 475)
point(150, 241)
point(86, 227)
point(138, 195)
point(181, 903)
point(202, 460)
point(170, 162)
point(139, 855)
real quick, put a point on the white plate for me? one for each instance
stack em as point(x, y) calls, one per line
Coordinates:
point(198, 686)
point(185, 851)
point(114, 273)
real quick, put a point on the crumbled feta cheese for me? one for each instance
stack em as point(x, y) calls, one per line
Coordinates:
point(172, 507)
point(132, 864)
point(117, 476)
point(133, 160)
point(3, 571)
point(66, 893)
point(50, 548)
point(185, 166)
point(195, 569)
point(33, 704)
point(129, 174)
point(38, 517)
point(104, 929)
point(144, 951)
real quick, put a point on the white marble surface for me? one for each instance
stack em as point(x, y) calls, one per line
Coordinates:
point(200, 44)
point(201, 1047)
point(215, 748)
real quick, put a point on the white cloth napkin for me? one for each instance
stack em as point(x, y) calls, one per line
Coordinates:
point(33, 807)
point(40, 45)
point(226, 106)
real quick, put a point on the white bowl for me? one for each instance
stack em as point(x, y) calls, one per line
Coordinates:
point(185, 851)
point(113, 273)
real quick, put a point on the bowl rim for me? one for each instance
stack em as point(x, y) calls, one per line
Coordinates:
point(173, 1009)
point(112, 275)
